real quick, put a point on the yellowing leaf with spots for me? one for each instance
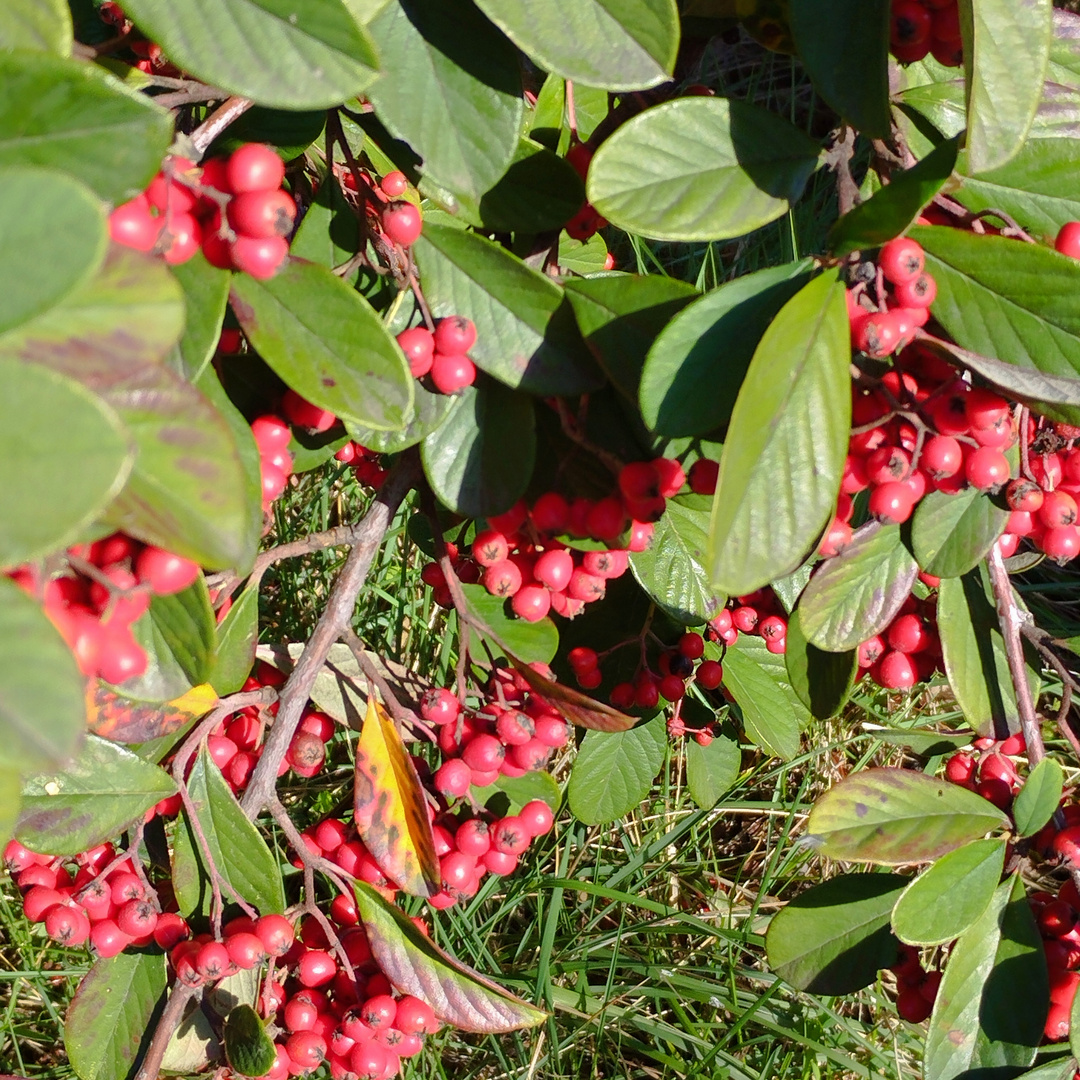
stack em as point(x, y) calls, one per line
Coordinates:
point(389, 808)
point(125, 720)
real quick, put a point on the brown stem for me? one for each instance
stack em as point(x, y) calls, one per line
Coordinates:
point(572, 430)
point(336, 617)
point(839, 159)
point(226, 113)
point(170, 1019)
point(401, 713)
point(189, 96)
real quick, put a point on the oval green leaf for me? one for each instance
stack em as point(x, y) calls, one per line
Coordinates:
point(206, 295)
point(249, 1050)
point(43, 25)
point(786, 444)
point(327, 342)
point(711, 770)
point(835, 937)
point(1039, 797)
point(711, 342)
point(236, 638)
point(526, 335)
point(894, 816)
point(857, 593)
point(940, 904)
point(700, 168)
point(311, 55)
point(531, 642)
point(950, 534)
point(416, 965)
point(767, 715)
point(823, 680)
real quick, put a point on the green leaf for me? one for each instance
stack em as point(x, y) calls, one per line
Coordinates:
point(311, 54)
point(104, 790)
point(249, 1050)
point(894, 816)
point(711, 770)
point(289, 132)
point(206, 294)
point(767, 715)
point(430, 410)
point(940, 904)
point(52, 239)
point(113, 1015)
point(185, 623)
point(10, 801)
point(896, 206)
point(44, 25)
point(72, 116)
point(237, 636)
point(330, 233)
point(950, 534)
point(45, 504)
point(416, 965)
point(1038, 798)
point(614, 771)
point(1058, 1069)
point(530, 642)
point(238, 849)
point(479, 460)
point(700, 168)
point(672, 568)
point(858, 593)
point(823, 680)
point(786, 444)
point(1006, 49)
point(1007, 300)
point(526, 335)
point(834, 937)
point(845, 53)
point(515, 791)
point(711, 343)
point(451, 89)
point(624, 46)
point(620, 315)
point(327, 343)
point(42, 708)
point(578, 257)
point(980, 1025)
point(973, 652)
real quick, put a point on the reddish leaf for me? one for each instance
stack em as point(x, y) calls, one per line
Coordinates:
point(125, 720)
point(573, 705)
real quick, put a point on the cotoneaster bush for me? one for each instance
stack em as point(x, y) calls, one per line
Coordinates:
point(660, 529)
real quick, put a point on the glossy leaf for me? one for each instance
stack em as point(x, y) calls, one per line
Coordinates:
point(390, 810)
point(42, 720)
point(249, 1050)
point(950, 534)
point(289, 131)
point(614, 771)
point(44, 503)
point(891, 209)
point(823, 680)
point(97, 796)
point(451, 89)
point(73, 116)
point(626, 46)
point(700, 168)
point(834, 937)
point(858, 593)
point(519, 790)
point(526, 336)
point(980, 1024)
point(1006, 49)
point(767, 715)
point(236, 637)
point(919, 740)
point(185, 624)
point(786, 444)
point(1039, 797)
point(416, 965)
point(620, 316)
point(124, 720)
point(240, 853)
point(206, 294)
point(429, 412)
point(330, 233)
point(711, 770)
point(479, 460)
point(672, 569)
point(711, 342)
point(947, 899)
point(327, 343)
point(531, 642)
point(311, 55)
point(574, 706)
point(111, 1019)
point(772, 664)
point(893, 816)
point(973, 651)
point(44, 25)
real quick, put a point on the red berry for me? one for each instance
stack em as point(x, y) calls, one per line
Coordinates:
point(483, 753)
point(306, 1050)
point(107, 939)
point(212, 960)
point(452, 778)
point(582, 658)
point(259, 256)
point(402, 223)
point(510, 836)
point(121, 657)
point(418, 345)
point(531, 602)
point(709, 674)
point(504, 579)
point(671, 688)
point(1067, 241)
point(303, 413)
point(911, 23)
point(180, 238)
point(455, 335)
point(439, 706)
point(165, 572)
point(917, 294)
point(134, 225)
point(1061, 544)
point(554, 569)
point(901, 260)
point(892, 502)
point(254, 167)
point(451, 373)
point(300, 1014)
point(394, 184)
point(703, 476)
point(490, 547)
point(245, 950)
point(415, 1017)
point(262, 213)
point(896, 672)
point(550, 513)
point(316, 968)
point(1058, 509)
point(1024, 496)
point(276, 934)
point(960, 769)
point(137, 918)
point(536, 817)
point(67, 924)
point(986, 468)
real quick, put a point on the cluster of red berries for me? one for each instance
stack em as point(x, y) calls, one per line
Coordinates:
point(95, 606)
point(150, 58)
point(233, 207)
point(1058, 919)
point(908, 650)
point(272, 437)
point(759, 613)
point(926, 27)
point(916, 987)
point(990, 770)
point(586, 221)
point(399, 219)
point(441, 356)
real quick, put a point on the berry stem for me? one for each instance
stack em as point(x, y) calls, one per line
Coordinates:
point(167, 1023)
point(224, 115)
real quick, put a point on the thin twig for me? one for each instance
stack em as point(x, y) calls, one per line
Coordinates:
point(169, 1021)
point(228, 112)
point(401, 713)
point(839, 160)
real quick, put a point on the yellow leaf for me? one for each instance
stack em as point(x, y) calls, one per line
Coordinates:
point(124, 720)
point(389, 807)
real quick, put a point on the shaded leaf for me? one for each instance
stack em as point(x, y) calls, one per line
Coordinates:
point(893, 816)
point(530, 642)
point(511, 793)
point(823, 680)
point(206, 294)
point(834, 937)
point(416, 965)
point(429, 412)
point(126, 720)
point(950, 534)
point(390, 810)
point(44, 25)
point(768, 718)
point(711, 770)
point(1039, 797)
point(945, 900)
point(236, 637)
point(573, 705)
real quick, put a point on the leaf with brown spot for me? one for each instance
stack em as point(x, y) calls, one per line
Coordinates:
point(124, 720)
point(574, 706)
point(389, 807)
point(416, 965)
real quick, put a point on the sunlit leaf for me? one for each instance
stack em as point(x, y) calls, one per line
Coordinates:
point(126, 720)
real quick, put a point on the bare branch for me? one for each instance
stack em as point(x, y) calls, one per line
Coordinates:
point(228, 112)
